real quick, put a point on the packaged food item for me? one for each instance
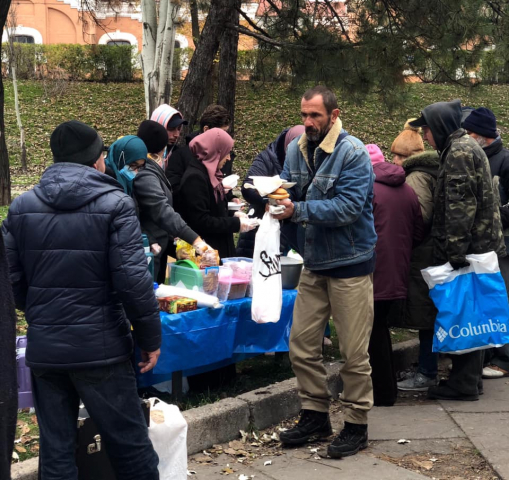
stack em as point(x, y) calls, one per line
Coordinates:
point(210, 258)
point(185, 251)
point(175, 304)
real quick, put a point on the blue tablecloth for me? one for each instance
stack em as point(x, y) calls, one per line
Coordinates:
point(205, 339)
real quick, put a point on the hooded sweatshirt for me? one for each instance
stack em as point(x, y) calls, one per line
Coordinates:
point(399, 227)
point(466, 216)
point(78, 268)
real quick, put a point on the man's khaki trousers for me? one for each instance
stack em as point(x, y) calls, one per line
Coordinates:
point(350, 302)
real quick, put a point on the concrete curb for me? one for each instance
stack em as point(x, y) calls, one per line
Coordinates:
point(221, 421)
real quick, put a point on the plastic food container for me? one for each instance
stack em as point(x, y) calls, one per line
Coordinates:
point(242, 268)
point(238, 288)
point(225, 282)
point(192, 278)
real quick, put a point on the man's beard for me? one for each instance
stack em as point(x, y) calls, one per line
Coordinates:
point(315, 135)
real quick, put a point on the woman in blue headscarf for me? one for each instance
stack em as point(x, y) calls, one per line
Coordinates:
point(125, 158)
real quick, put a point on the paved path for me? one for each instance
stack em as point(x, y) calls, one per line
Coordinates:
point(433, 428)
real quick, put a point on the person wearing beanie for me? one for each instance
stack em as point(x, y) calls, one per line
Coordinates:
point(155, 137)
point(399, 226)
point(421, 169)
point(407, 143)
point(79, 272)
point(153, 193)
point(462, 223)
point(171, 119)
point(481, 125)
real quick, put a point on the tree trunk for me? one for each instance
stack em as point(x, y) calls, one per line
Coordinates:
point(195, 22)
point(18, 113)
point(201, 64)
point(5, 177)
point(166, 64)
point(228, 48)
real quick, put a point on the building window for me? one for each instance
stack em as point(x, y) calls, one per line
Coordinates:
point(23, 39)
point(116, 43)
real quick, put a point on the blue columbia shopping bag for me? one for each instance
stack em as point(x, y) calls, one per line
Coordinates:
point(473, 311)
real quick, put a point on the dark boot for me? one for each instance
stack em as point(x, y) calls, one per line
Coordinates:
point(352, 438)
point(312, 425)
point(445, 392)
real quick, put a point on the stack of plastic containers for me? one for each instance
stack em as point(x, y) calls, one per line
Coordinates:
point(242, 269)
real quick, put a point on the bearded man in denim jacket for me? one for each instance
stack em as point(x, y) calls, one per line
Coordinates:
point(331, 210)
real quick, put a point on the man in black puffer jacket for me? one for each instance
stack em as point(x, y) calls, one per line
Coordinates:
point(78, 269)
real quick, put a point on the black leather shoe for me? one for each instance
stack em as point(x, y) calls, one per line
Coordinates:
point(312, 425)
point(444, 392)
point(352, 438)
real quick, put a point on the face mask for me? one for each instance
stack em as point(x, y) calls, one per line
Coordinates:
point(128, 174)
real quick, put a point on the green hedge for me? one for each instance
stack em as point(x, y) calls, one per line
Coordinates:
point(77, 62)
point(83, 62)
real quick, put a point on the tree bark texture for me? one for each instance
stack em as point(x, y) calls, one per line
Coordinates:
point(201, 64)
point(5, 177)
point(195, 23)
point(228, 53)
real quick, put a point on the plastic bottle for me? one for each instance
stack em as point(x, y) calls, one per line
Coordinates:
point(149, 255)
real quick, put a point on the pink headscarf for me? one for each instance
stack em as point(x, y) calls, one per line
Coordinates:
point(375, 154)
point(210, 148)
point(294, 132)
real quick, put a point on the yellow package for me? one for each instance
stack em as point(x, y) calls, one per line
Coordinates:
point(185, 251)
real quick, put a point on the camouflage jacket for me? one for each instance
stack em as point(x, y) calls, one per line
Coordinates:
point(466, 217)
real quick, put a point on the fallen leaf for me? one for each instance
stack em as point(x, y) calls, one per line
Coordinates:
point(203, 459)
point(403, 441)
point(34, 419)
point(425, 464)
point(227, 470)
point(20, 449)
point(25, 429)
point(268, 462)
point(15, 456)
point(237, 444)
point(230, 451)
point(191, 472)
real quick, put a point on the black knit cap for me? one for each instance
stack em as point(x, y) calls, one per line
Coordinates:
point(483, 122)
point(154, 135)
point(76, 142)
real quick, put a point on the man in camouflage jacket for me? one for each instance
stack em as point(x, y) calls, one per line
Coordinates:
point(466, 220)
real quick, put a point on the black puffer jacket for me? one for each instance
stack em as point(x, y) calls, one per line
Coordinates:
point(498, 156)
point(76, 264)
point(267, 163)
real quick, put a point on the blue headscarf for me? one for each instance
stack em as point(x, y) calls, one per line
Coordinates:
point(121, 153)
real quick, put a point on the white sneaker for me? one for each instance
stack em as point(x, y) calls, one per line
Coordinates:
point(492, 371)
point(417, 383)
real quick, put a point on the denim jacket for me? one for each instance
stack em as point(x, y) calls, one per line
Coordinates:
point(335, 225)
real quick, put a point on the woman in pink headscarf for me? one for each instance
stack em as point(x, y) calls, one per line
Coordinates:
point(203, 201)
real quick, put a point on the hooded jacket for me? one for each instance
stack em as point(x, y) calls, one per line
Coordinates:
point(466, 218)
point(78, 268)
point(399, 226)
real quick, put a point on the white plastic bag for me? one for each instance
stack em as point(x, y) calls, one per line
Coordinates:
point(267, 287)
point(168, 433)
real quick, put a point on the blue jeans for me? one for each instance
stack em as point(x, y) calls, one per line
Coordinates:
point(111, 399)
point(428, 361)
